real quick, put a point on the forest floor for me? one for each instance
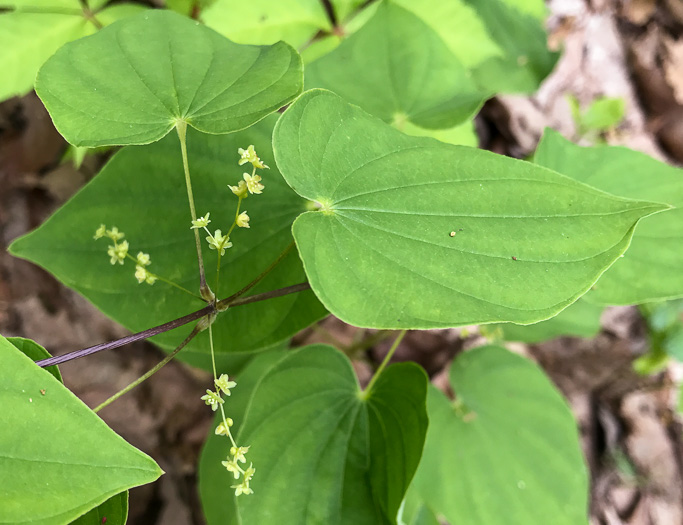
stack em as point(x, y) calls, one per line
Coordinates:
point(631, 433)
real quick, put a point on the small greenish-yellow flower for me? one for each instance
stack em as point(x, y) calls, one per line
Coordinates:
point(100, 232)
point(212, 399)
point(219, 242)
point(118, 252)
point(114, 234)
point(242, 488)
point(141, 274)
point(201, 222)
point(143, 259)
point(240, 190)
point(249, 473)
point(233, 467)
point(225, 385)
point(249, 155)
point(242, 220)
point(238, 453)
point(253, 183)
point(223, 427)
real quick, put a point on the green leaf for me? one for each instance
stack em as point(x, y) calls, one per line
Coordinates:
point(673, 345)
point(114, 88)
point(603, 113)
point(663, 316)
point(96, 4)
point(460, 27)
point(652, 362)
point(414, 511)
point(183, 7)
point(35, 29)
point(38, 451)
point(157, 222)
point(414, 233)
point(36, 353)
point(462, 135)
point(323, 451)
point(506, 450)
point(43, 6)
point(266, 22)
point(319, 48)
point(398, 69)
point(665, 330)
point(535, 8)
point(114, 511)
point(30, 38)
point(343, 8)
point(527, 59)
point(581, 319)
point(116, 12)
point(651, 269)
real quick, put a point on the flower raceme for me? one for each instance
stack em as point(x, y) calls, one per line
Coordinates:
point(250, 183)
point(118, 253)
point(237, 455)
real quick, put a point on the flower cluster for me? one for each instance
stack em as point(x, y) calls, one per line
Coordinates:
point(214, 399)
point(118, 253)
point(217, 241)
point(249, 155)
point(249, 185)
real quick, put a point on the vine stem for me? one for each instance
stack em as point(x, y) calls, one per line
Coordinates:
point(150, 332)
point(151, 372)
point(181, 128)
point(210, 309)
point(386, 360)
point(295, 288)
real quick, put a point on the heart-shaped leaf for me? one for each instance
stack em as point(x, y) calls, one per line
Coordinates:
point(506, 450)
point(115, 88)
point(414, 233)
point(397, 68)
point(651, 268)
point(323, 450)
point(160, 226)
point(42, 420)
